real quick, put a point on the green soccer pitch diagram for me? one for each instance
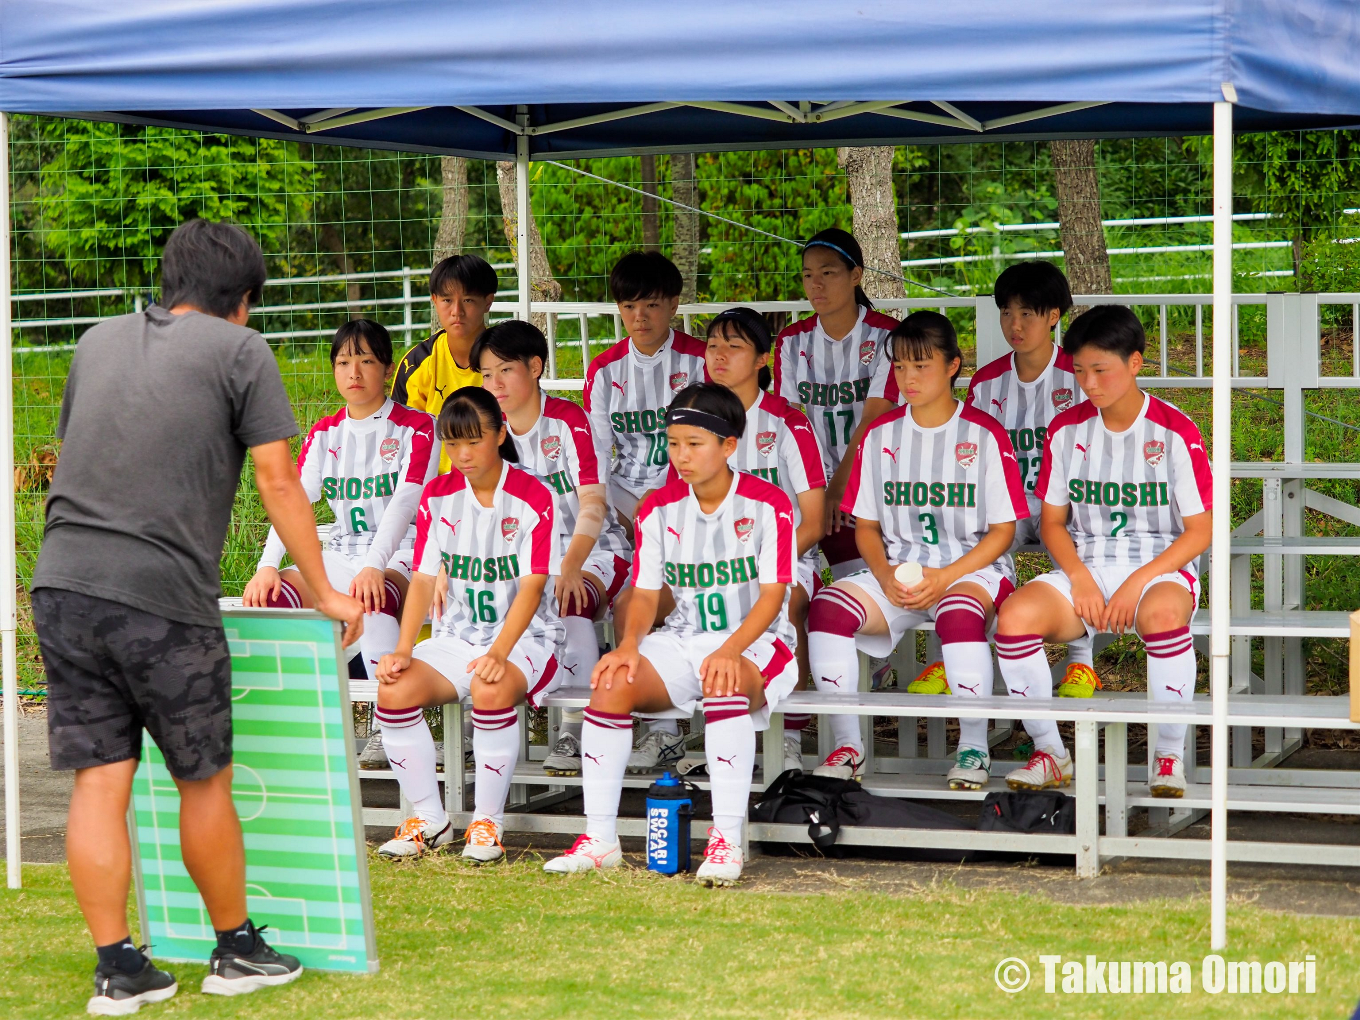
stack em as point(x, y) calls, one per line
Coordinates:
point(296, 794)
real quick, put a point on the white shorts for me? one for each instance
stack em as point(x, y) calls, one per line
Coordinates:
point(997, 583)
point(341, 568)
point(449, 657)
point(810, 575)
point(677, 660)
point(1026, 533)
point(611, 569)
point(1108, 580)
point(624, 500)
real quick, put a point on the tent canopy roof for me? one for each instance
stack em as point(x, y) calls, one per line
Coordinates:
point(705, 74)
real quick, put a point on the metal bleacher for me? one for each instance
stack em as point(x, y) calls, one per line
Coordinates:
point(1108, 787)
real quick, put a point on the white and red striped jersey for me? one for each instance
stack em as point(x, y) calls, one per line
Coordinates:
point(371, 472)
point(832, 379)
point(1128, 492)
point(1025, 409)
point(486, 550)
point(560, 450)
point(626, 396)
point(715, 563)
point(935, 492)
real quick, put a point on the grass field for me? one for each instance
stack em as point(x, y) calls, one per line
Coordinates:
point(510, 942)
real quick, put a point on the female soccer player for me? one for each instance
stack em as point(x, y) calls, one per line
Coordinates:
point(779, 446)
point(369, 461)
point(935, 484)
point(553, 441)
point(833, 364)
point(724, 543)
point(490, 525)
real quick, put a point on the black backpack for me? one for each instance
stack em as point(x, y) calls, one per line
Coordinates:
point(1029, 811)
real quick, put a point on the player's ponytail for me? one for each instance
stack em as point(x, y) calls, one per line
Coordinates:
point(920, 335)
point(843, 243)
point(749, 325)
point(468, 413)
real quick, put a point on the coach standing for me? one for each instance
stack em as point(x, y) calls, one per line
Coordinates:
point(159, 410)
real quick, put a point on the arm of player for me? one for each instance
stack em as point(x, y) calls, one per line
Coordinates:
point(869, 542)
point(1087, 599)
point(589, 522)
point(420, 464)
point(265, 584)
point(646, 579)
point(490, 668)
point(1122, 608)
point(874, 408)
point(936, 581)
point(417, 606)
point(812, 513)
point(290, 512)
point(721, 670)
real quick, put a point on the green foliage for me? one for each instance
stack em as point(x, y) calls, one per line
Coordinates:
point(1332, 263)
point(1301, 176)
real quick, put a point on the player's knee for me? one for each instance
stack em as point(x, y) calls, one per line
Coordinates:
point(1160, 617)
point(1021, 614)
point(395, 696)
point(494, 697)
point(613, 694)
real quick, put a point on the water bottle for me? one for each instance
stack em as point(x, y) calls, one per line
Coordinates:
point(669, 810)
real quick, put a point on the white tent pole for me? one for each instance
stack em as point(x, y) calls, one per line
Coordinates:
point(1219, 581)
point(522, 212)
point(8, 648)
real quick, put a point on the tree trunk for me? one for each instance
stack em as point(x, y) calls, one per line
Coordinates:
point(868, 172)
point(1083, 235)
point(543, 285)
point(651, 222)
point(453, 219)
point(332, 239)
point(685, 249)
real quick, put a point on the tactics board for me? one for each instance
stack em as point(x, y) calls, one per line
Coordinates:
point(295, 792)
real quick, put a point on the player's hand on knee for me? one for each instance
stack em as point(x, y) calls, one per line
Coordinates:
point(488, 668)
point(1088, 602)
point(570, 585)
point(265, 585)
point(720, 673)
point(614, 667)
point(391, 666)
point(369, 588)
point(1123, 605)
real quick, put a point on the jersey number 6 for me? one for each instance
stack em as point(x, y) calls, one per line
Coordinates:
point(357, 521)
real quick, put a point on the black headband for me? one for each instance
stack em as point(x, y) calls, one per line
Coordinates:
point(720, 427)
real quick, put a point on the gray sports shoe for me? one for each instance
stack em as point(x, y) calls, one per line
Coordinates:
point(565, 759)
point(373, 756)
point(656, 751)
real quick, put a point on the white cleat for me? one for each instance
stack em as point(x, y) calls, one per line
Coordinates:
point(586, 854)
point(793, 751)
point(972, 768)
point(722, 862)
point(842, 763)
point(1169, 778)
point(483, 841)
point(565, 759)
point(1044, 771)
point(656, 751)
point(416, 837)
point(373, 756)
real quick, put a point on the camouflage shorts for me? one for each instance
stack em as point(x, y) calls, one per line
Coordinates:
point(112, 670)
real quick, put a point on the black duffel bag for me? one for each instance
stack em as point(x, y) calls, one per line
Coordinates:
point(1029, 811)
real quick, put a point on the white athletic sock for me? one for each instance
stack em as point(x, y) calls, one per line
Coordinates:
point(1082, 651)
point(378, 639)
point(495, 750)
point(670, 727)
point(961, 625)
point(1024, 667)
point(1171, 677)
point(730, 747)
point(571, 722)
point(410, 749)
point(833, 619)
point(606, 743)
point(579, 652)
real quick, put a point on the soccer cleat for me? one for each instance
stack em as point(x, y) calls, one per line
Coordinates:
point(971, 770)
point(120, 994)
point(1044, 771)
point(415, 837)
point(881, 670)
point(793, 751)
point(483, 841)
point(842, 763)
point(931, 681)
point(1080, 681)
point(565, 759)
point(722, 862)
point(656, 751)
point(1169, 780)
point(233, 973)
point(586, 854)
point(373, 756)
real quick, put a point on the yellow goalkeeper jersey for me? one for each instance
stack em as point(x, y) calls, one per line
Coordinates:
point(426, 375)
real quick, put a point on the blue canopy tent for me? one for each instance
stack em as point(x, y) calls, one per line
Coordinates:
point(525, 80)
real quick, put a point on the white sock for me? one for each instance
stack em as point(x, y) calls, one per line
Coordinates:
point(571, 722)
point(834, 661)
point(1024, 667)
point(495, 750)
point(410, 749)
point(606, 743)
point(968, 667)
point(671, 727)
point(1082, 651)
point(730, 747)
point(579, 652)
point(378, 639)
point(1171, 677)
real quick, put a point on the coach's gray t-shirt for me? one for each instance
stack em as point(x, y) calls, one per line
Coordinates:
point(158, 413)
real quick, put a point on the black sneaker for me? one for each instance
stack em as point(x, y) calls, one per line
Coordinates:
point(232, 973)
point(118, 994)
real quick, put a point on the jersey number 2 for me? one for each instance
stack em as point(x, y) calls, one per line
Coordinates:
point(1117, 520)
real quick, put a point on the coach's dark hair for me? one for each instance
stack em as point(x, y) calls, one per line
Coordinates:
point(211, 266)
point(714, 399)
point(350, 337)
point(468, 413)
point(1112, 328)
point(843, 245)
point(1039, 286)
point(470, 273)
point(749, 325)
point(640, 275)
point(920, 335)
point(511, 340)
